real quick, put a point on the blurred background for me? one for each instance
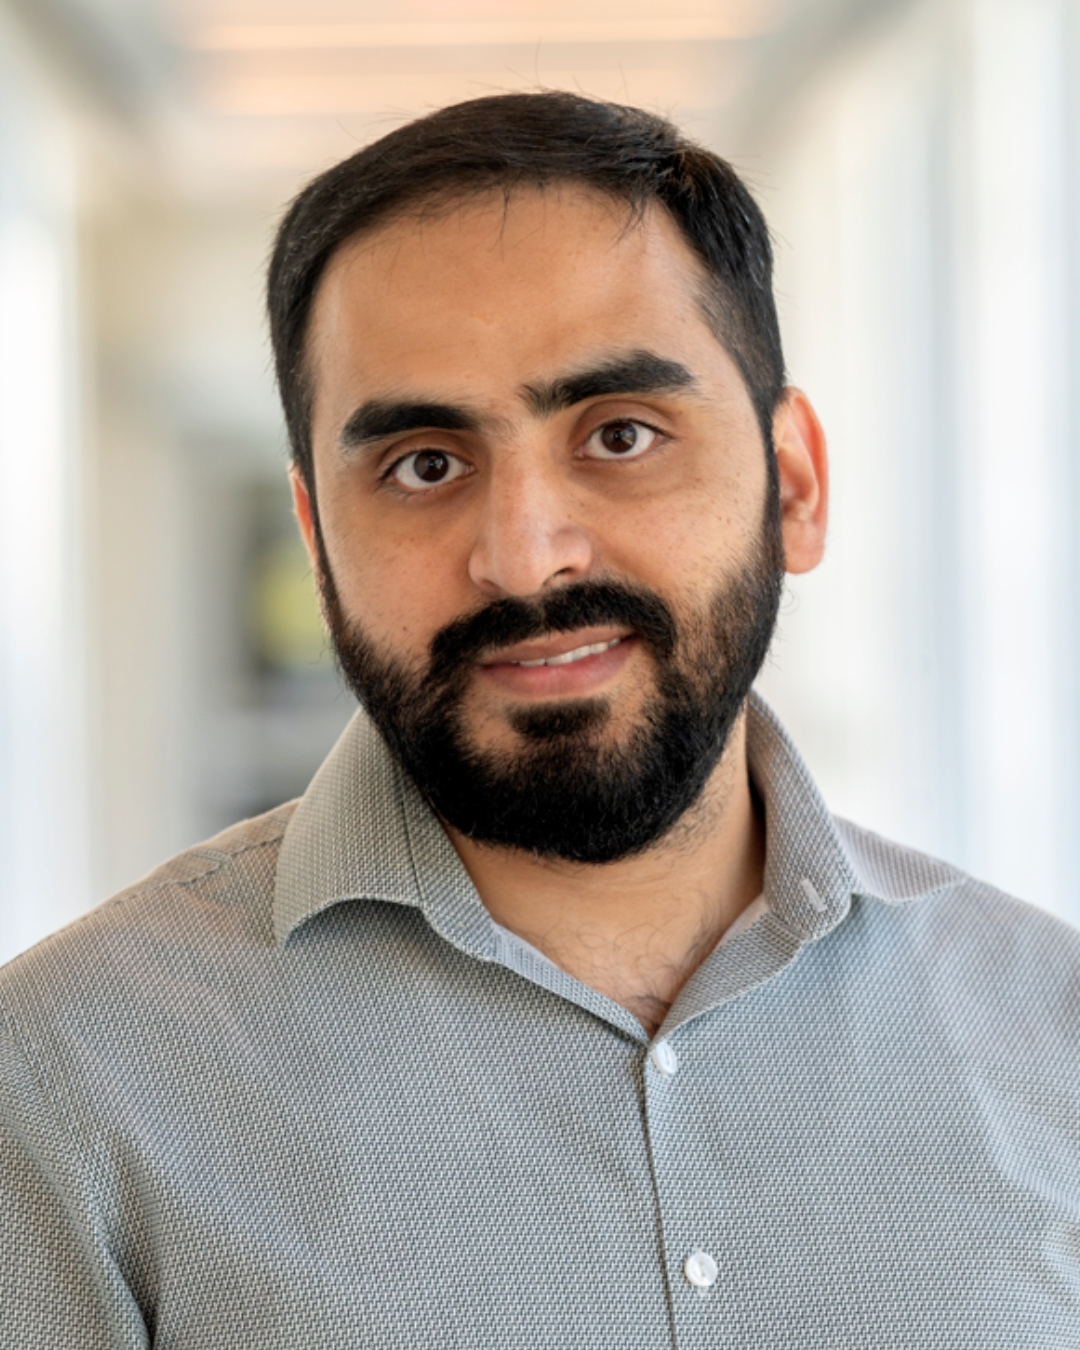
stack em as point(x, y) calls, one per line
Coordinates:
point(162, 667)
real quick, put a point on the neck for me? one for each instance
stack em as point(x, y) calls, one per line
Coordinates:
point(636, 930)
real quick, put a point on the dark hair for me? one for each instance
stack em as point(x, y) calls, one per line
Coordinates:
point(533, 140)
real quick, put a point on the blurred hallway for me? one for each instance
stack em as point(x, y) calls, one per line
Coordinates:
point(162, 669)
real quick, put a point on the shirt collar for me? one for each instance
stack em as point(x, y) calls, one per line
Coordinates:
point(362, 831)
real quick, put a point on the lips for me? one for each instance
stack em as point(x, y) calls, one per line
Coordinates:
point(562, 650)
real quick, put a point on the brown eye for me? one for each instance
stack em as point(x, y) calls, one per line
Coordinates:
point(431, 466)
point(426, 469)
point(619, 437)
point(621, 440)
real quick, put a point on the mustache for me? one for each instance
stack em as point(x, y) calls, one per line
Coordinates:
point(586, 604)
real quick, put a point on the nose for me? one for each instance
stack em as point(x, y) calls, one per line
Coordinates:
point(527, 538)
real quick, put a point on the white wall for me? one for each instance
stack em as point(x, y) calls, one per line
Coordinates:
point(921, 189)
point(44, 798)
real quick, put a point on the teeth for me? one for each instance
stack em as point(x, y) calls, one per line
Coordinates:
point(578, 654)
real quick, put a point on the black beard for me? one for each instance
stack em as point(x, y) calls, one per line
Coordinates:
point(569, 792)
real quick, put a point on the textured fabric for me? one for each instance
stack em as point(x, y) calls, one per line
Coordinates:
point(293, 1091)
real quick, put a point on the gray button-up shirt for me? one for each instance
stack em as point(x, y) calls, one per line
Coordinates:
point(296, 1090)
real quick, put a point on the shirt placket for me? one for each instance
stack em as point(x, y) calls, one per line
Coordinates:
point(692, 1250)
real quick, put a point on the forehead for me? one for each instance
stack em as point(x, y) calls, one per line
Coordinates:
point(510, 284)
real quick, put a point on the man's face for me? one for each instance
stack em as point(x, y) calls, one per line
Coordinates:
point(530, 448)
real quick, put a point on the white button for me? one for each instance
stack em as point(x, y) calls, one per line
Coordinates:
point(664, 1059)
point(701, 1270)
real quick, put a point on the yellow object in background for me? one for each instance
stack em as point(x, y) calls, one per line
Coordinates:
point(288, 628)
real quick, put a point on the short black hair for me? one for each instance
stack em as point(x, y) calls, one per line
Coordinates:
point(508, 142)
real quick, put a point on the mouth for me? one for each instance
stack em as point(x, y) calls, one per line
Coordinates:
point(577, 654)
point(558, 649)
point(566, 665)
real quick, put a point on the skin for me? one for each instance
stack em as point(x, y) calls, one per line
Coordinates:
point(470, 309)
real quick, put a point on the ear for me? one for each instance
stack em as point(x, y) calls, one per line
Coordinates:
point(305, 513)
point(803, 463)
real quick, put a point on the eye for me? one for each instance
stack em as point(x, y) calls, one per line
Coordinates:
point(621, 440)
point(425, 469)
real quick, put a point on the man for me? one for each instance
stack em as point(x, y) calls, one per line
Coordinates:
point(558, 1012)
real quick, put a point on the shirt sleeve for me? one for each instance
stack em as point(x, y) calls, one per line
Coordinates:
point(60, 1288)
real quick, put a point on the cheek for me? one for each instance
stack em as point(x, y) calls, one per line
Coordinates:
point(707, 528)
point(401, 585)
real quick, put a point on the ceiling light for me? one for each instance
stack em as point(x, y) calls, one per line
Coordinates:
point(747, 22)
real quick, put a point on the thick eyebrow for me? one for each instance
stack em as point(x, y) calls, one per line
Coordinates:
point(379, 418)
point(638, 372)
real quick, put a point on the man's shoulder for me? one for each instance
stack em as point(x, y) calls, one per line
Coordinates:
point(898, 875)
point(211, 896)
point(238, 857)
point(996, 963)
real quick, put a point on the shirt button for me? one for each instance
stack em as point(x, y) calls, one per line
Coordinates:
point(701, 1270)
point(664, 1059)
